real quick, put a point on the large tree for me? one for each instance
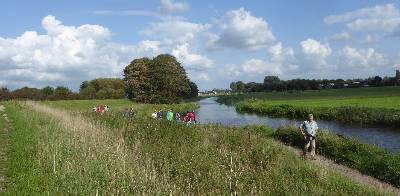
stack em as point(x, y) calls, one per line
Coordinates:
point(158, 80)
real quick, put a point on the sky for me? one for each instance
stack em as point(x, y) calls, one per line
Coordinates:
point(47, 42)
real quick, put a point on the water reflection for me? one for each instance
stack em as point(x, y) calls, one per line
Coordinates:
point(212, 112)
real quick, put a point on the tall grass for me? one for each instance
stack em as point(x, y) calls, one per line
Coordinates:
point(54, 152)
point(367, 159)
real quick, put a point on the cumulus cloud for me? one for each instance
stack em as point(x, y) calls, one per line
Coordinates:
point(174, 31)
point(65, 55)
point(379, 17)
point(171, 7)
point(177, 37)
point(279, 54)
point(257, 66)
point(315, 52)
point(195, 61)
point(241, 30)
point(250, 68)
point(361, 58)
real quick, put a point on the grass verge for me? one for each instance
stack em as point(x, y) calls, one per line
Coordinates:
point(367, 159)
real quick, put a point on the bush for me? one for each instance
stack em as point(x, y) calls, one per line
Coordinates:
point(368, 159)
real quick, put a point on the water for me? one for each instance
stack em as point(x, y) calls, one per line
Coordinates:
point(212, 112)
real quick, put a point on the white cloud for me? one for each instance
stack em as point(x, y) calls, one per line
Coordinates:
point(361, 58)
point(315, 52)
point(199, 76)
point(257, 66)
point(379, 17)
point(65, 55)
point(240, 30)
point(340, 36)
point(171, 7)
point(278, 53)
point(194, 61)
point(174, 31)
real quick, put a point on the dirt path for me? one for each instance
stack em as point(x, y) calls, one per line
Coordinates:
point(82, 126)
point(4, 129)
point(351, 173)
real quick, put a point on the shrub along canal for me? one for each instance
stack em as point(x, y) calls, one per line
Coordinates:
point(212, 112)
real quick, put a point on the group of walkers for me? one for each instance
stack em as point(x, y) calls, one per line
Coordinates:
point(100, 109)
point(189, 117)
point(308, 128)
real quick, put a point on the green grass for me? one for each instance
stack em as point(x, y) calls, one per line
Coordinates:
point(338, 94)
point(367, 111)
point(368, 159)
point(5, 129)
point(370, 102)
point(373, 105)
point(114, 155)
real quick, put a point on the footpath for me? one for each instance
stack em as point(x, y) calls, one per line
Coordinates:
point(5, 126)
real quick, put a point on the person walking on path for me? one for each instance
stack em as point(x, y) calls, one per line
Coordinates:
point(309, 130)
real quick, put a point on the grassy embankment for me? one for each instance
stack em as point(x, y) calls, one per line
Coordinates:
point(56, 152)
point(373, 106)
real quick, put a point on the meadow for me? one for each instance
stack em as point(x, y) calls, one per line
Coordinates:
point(391, 92)
point(62, 148)
point(363, 106)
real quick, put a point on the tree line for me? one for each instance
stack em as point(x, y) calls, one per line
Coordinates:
point(158, 80)
point(101, 88)
point(274, 83)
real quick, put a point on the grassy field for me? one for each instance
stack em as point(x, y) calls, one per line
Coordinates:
point(62, 148)
point(338, 96)
point(374, 105)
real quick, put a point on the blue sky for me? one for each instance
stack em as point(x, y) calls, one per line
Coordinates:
point(65, 42)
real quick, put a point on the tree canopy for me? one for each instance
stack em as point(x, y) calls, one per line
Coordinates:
point(103, 88)
point(158, 80)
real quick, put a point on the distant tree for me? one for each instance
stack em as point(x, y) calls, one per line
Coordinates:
point(4, 93)
point(160, 80)
point(398, 74)
point(241, 87)
point(48, 91)
point(28, 93)
point(83, 85)
point(62, 92)
point(233, 86)
point(271, 79)
point(377, 81)
point(102, 88)
point(194, 90)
